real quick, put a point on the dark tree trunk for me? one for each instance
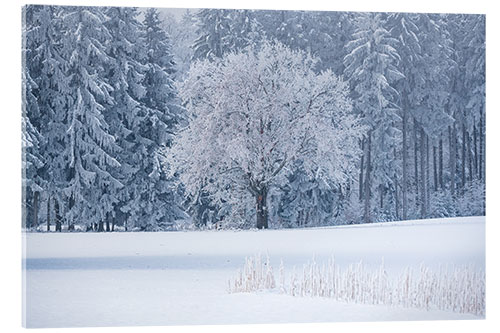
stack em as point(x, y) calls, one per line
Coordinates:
point(107, 222)
point(434, 164)
point(405, 167)
point(367, 183)
point(481, 150)
point(427, 175)
point(262, 212)
point(48, 213)
point(361, 169)
point(71, 225)
point(396, 189)
point(475, 151)
point(113, 223)
point(441, 181)
point(396, 198)
point(36, 197)
point(381, 197)
point(464, 157)
point(423, 206)
point(57, 216)
point(469, 151)
point(100, 228)
point(451, 134)
point(415, 147)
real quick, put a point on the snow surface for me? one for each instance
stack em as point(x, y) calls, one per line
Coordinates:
point(178, 278)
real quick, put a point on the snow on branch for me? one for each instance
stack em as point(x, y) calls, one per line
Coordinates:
point(254, 113)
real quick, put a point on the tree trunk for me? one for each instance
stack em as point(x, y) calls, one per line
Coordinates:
point(481, 150)
point(57, 216)
point(113, 223)
point(423, 207)
point(361, 169)
point(100, 228)
point(475, 151)
point(262, 211)
point(434, 164)
point(48, 213)
point(451, 134)
point(108, 228)
point(71, 204)
point(464, 158)
point(427, 176)
point(36, 197)
point(415, 147)
point(441, 181)
point(404, 187)
point(469, 151)
point(381, 197)
point(396, 198)
point(367, 190)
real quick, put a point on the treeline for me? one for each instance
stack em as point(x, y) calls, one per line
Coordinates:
point(100, 107)
point(418, 83)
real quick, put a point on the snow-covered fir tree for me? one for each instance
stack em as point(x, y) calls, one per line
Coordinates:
point(371, 68)
point(213, 29)
point(91, 147)
point(46, 66)
point(163, 114)
point(125, 74)
point(32, 159)
point(182, 35)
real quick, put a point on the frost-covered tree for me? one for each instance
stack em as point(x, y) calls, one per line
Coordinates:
point(306, 201)
point(159, 199)
point(371, 68)
point(431, 94)
point(182, 35)
point(403, 28)
point(213, 29)
point(91, 147)
point(126, 115)
point(255, 113)
point(31, 139)
point(473, 68)
point(222, 30)
point(466, 101)
point(476, 81)
point(45, 67)
point(32, 157)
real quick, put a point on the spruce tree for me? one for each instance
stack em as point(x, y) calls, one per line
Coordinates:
point(371, 68)
point(90, 146)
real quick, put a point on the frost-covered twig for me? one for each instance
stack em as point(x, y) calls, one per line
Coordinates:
point(257, 274)
point(459, 289)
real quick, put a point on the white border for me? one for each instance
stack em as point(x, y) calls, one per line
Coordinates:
point(10, 160)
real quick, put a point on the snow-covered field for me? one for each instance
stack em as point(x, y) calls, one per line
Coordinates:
point(179, 278)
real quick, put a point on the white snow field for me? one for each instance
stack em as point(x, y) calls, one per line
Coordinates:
point(181, 278)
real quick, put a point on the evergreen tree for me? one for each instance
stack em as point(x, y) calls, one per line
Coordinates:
point(90, 147)
point(222, 30)
point(32, 156)
point(160, 198)
point(45, 68)
point(182, 36)
point(371, 68)
point(126, 114)
point(403, 28)
point(213, 33)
